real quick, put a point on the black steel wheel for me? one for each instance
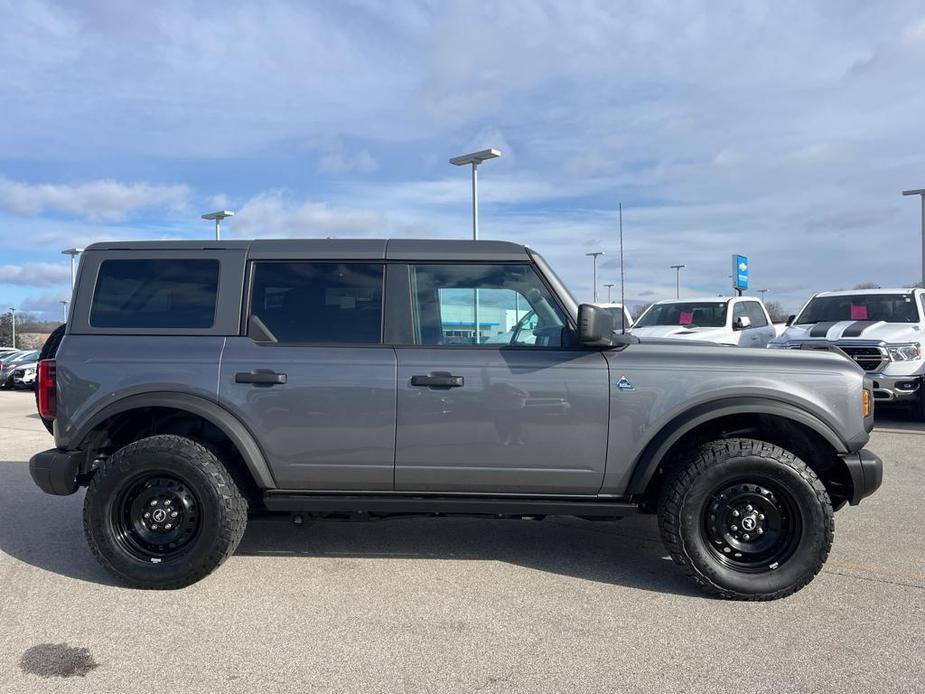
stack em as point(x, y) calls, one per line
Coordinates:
point(163, 512)
point(746, 519)
point(752, 525)
point(156, 517)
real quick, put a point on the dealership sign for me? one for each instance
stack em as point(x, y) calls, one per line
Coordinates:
point(739, 271)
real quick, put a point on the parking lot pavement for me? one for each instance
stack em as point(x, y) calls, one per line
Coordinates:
point(456, 605)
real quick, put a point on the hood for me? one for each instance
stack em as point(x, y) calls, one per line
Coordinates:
point(854, 330)
point(680, 332)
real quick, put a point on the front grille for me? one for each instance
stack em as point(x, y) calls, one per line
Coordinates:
point(868, 358)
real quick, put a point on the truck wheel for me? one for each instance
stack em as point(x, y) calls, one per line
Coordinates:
point(746, 520)
point(163, 512)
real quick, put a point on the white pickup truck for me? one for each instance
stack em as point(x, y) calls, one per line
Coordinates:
point(882, 330)
point(742, 321)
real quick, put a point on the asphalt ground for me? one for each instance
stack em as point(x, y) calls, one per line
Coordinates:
point(456, 605)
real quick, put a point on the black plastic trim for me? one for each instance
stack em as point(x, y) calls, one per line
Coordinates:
point(866, 470)
point(279, 500)
point(651, 458)
point(55, 471)
point(240, 436)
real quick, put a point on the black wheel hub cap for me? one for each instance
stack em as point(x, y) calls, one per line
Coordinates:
point(156, 517)
point(751, 527)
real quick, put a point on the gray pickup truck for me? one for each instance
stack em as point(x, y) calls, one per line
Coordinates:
point(198, 382)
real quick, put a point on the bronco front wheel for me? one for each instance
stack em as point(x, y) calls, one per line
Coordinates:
point(746, 520)
point(163, 512)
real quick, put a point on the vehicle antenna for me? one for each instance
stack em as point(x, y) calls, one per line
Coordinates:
point(622, 290)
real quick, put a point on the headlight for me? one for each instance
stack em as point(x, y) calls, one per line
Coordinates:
point(29, 372)
point(909, 352)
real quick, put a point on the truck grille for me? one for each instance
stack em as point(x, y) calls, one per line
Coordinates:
point(868, 358)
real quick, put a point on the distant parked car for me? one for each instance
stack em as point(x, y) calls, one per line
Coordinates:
point(9, 364)
point(742, 321)
point(24, 376)
point(880, 329)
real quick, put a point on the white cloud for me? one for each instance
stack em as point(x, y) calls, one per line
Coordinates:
point(35, 274)
point(275, 214)
point(103, 200)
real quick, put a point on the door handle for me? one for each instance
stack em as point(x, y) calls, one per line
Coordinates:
point(438, 379)
point(260, 377)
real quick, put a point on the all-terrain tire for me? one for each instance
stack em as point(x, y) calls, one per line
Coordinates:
point(697, 513)
point(157, 470)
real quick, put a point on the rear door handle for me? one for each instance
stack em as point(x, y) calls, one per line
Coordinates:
point(260, 377)
point(438, 379)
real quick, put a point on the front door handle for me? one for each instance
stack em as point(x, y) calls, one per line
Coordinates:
point(438, 379)
point(260, 377)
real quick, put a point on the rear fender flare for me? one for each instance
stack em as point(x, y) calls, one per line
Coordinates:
point(212, 412)
point(659, 446)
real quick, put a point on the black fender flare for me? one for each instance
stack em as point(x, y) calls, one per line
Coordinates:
point(209, 410)
point(651, 458)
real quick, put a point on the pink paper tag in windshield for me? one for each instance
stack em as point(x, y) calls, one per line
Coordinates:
point(687, 317)
point(858, 312)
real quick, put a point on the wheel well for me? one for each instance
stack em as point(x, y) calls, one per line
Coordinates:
point(812, 448)
point(125, 427)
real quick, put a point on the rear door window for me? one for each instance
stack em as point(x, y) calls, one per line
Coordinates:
point(155, 293)
point(315, 302)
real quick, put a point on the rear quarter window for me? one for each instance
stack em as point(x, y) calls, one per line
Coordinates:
point(161, 293)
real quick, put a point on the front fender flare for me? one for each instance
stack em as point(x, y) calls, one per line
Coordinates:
point(211, 411)
point(650, 459)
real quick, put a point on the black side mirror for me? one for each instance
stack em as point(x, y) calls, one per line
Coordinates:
point(595, 326)
point(792, 317)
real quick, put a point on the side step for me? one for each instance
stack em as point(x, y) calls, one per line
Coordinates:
point(400, 503)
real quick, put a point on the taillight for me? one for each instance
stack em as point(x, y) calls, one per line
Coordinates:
point(47, 389)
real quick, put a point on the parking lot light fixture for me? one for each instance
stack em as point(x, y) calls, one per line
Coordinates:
point(474, 159)
point(609, 287)
point(677, 269)
point(594, 256)
point(218, 217)
point(921, 193)
point(73, 252)
point(64, 304)
point(762, 292)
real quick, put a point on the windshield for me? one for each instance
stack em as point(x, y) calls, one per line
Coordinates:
point(700, 314)
point(892, 308)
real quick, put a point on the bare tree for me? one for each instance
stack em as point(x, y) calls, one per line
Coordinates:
point(866, 285)
point(776, 311)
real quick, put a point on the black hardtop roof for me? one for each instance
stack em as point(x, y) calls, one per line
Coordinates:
point(346, 249)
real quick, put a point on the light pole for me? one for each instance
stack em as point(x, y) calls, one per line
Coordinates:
point(762, 292)
point(218, 217)
point(475, 158)
point(13, 323)
point(64, 303)
point(594, 255)
point(73, 252)
point(921, 193)
point(609, 287)
point(677, 283)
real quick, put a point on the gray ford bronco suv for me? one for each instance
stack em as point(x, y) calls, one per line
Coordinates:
point(199, 382)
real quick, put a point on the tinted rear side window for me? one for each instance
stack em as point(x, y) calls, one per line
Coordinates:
point(319, 302)
point(167, 293)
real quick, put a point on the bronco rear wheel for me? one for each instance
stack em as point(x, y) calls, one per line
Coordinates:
point(163, 512)
point(746, 520)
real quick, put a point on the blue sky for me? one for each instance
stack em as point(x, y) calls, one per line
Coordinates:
point(781, 130)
